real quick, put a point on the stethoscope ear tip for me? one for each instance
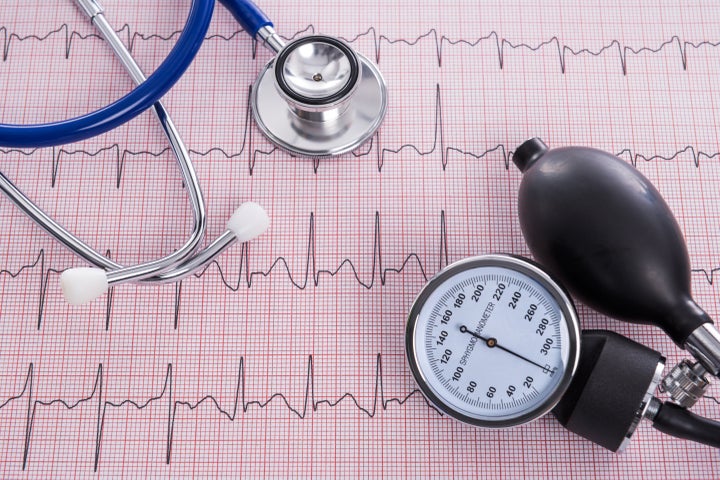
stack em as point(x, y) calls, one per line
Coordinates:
point(248, 222)
point(83, 285)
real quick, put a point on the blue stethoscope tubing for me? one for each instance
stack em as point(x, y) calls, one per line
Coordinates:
point(250, 17)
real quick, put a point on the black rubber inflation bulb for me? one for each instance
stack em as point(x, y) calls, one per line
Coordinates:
point(604, 230)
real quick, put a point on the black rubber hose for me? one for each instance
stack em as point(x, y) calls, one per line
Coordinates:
point(679, 422)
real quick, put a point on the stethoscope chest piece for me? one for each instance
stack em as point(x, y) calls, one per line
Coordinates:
point(318, 97)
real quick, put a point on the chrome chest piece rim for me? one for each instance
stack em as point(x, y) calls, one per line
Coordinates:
point(319, 98)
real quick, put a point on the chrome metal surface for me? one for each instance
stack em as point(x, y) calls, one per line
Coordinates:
point(317, 136)
point(685, 384)
point(90, 7)
point(201, 259)
point(152, 268)
point(704, 344)
point(649, 402)
point(652, 409)
point(270, 38)
point(316, 70)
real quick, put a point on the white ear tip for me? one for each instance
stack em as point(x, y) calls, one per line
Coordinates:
point(249, 221)
point(83, 285)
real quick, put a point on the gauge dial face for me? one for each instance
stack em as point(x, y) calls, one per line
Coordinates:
point(493, 341)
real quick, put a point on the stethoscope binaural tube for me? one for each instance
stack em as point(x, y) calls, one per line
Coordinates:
point(82, 285)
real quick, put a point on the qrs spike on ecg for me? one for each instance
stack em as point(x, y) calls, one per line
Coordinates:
point(240, 404)
point(499, 44)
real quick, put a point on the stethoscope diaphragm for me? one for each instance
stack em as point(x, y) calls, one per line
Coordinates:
point(318, 97)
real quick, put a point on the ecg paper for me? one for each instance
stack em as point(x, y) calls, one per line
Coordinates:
point(285, 358)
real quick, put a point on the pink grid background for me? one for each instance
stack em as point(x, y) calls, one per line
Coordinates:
point(298, 338)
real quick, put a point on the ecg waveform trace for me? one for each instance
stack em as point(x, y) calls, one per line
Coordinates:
point(240, 403)
point(438, 146)
point(498, 43)
point(310, 275)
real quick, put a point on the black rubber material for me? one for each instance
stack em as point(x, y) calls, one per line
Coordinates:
point(354, 70)
point(611, 381)
point(607, 234)
point(679, 422)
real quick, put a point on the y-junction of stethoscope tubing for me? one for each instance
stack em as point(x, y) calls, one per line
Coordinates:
point(270, 38)
point(119, 274)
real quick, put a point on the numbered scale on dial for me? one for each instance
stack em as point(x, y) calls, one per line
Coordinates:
point(493, 341)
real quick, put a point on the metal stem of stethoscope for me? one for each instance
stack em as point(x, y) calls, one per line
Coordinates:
point(270, 38)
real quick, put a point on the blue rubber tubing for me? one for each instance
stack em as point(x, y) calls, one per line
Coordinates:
point(129, 106)
point(250, 17)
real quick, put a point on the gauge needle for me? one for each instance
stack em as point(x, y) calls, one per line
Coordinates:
point(492, 343)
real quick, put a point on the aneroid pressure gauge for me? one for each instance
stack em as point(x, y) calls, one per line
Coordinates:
point(493, 341)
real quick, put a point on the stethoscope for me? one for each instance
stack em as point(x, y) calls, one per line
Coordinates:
point(316, 98)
